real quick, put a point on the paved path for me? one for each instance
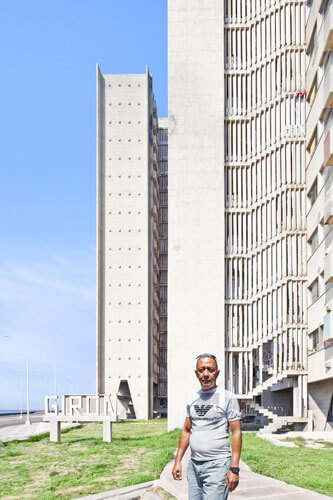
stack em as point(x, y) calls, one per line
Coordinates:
point(22, 431)
point(251, 486)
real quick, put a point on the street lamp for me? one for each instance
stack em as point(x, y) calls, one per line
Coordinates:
point(27, 421)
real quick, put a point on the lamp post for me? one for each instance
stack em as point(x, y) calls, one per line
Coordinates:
point(27, 421)
point(21, 409)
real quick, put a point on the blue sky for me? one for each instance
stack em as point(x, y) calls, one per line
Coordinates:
point(48, 163)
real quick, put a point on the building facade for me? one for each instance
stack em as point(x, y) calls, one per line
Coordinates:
point(232, 252)
point(127, 242)
point(162, 139)
point(237, 211)
point(319, 163)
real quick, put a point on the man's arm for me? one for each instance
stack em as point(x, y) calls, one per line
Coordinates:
point(182, 447)
point(236, 446)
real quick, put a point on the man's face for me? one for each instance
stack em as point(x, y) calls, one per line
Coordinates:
point(207, 373)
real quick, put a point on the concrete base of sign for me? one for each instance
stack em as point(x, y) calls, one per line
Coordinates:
point(55, 431)
point(107, 431)
point(55, 425)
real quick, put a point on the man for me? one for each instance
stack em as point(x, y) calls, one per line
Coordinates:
point(213, 470)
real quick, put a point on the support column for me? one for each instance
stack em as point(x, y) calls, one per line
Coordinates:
point(55, 431)
point(107, 431)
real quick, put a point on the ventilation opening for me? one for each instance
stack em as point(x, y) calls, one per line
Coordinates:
point(125, 403)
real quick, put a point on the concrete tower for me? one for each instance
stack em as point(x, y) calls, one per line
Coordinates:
point(237, 202)
point(127, 205)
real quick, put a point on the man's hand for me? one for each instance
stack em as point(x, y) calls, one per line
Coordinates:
point(177, 471)
point(232, 481)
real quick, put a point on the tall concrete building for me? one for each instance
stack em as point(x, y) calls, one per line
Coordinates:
point(127, 242)
point(237, 202)
point(162, 139)
point(215, 225)
point(319, 179)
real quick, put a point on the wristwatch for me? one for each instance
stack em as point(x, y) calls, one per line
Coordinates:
point(235, 470)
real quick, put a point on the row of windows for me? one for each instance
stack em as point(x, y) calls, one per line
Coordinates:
point(245, 231)
point(162, 135)
point(246, 277)
point(286, 352)
point(247, 185)
point(247, 324)
point(280, 26)
point(245, 139)
point(247, 92)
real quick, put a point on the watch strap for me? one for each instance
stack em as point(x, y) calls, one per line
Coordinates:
point(234, 470)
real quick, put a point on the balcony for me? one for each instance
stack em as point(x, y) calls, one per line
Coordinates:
point(323, 100)
point(324, 39)
point(328, 327)
point(328, 149)
point(328, 207)
point(328, 267)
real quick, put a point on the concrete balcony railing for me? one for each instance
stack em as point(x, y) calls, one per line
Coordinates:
point(323, 42)
point(312, 19)
point(328, 149)
point(328, 267)
point(323, 100)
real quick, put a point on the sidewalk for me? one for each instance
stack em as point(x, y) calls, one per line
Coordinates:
point(251, 486)
point(24, 431)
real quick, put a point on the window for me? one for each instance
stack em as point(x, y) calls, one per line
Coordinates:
point(313, 143)
point(316, 338)
point(313, 193)
point(314, 290)
point(313, 241)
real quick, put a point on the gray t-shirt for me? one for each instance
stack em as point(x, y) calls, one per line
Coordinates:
point(211, 412)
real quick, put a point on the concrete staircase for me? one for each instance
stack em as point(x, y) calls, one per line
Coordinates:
point(277, 422)
point(275, 379)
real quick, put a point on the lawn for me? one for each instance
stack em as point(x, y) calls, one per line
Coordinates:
point(82, 464)
point(305, 467)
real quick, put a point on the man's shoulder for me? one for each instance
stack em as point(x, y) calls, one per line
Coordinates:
point(225, 396)
point(192, 397)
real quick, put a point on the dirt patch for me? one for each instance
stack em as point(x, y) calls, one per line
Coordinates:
point(75, 488)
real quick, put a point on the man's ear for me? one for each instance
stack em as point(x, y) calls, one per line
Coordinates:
point(196, 373)
point(217, 373)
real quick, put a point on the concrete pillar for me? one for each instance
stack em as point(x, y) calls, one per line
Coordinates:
point(55, 431)
point(107, 431)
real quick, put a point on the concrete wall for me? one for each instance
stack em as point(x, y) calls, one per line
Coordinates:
point(319, 179)
point(196, 195)
point(279, 402)
point(320, 395)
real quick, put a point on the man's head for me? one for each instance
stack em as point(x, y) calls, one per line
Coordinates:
point(207, 371)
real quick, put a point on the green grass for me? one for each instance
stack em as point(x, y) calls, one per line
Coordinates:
point(82, 464)
point(305, 467)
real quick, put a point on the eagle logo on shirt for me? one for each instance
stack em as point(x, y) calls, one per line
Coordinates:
point(202, 410)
